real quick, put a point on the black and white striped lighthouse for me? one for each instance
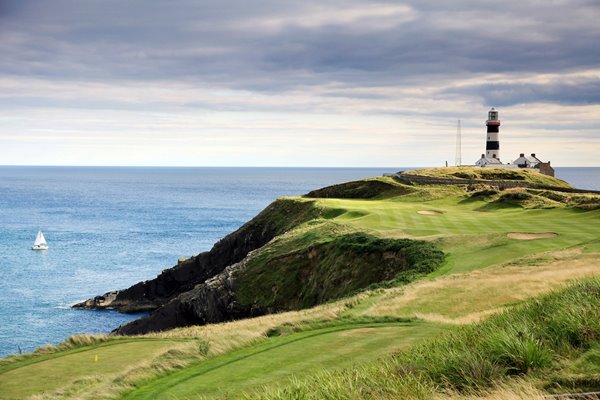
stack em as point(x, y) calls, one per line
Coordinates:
point(492, 146)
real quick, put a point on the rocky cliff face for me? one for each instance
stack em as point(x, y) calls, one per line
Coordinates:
point(209, 302)
point(290, 281)
point(277, 218)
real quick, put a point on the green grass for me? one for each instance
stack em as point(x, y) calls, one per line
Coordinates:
point(472, 238)
point(592, 246)
point(55, 370)
point(281, 357)
point(527, 341)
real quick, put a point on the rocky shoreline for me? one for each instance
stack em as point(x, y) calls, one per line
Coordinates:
point(174, 288)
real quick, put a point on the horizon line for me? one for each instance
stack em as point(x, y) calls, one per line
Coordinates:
point(255, 166)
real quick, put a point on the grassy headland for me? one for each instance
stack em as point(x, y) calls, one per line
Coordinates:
point(492, 174)
point(340, 240)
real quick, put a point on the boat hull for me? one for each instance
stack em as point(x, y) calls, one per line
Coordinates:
point(39, 247)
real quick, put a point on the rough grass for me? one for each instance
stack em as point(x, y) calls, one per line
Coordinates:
point(479, 293)
point(525, 340)
point(223, 338)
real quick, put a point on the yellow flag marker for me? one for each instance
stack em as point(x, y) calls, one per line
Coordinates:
point(96, 358)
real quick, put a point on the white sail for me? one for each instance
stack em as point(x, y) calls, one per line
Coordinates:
point(39, 239)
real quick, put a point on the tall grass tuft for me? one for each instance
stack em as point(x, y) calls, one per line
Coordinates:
point(519, 352)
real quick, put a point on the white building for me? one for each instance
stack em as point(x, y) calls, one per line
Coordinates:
point(533, 162)
point(484, 161)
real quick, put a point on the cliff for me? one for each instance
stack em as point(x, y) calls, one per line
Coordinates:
point(277, 218)
point(262, 284)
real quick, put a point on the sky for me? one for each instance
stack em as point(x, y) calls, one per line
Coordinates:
point(336, 83)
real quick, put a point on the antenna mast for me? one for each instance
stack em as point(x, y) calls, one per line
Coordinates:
point(458, 159)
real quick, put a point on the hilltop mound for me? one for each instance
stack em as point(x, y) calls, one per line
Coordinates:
point(363, 189)
point(526, 176)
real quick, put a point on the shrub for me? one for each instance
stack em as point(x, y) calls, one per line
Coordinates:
point(344, 265)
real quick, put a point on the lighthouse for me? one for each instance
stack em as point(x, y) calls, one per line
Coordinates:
point(492, 146)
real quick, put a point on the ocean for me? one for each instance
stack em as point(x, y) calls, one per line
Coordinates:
point(110, 227)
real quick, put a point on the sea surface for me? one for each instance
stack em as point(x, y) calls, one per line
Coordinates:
point(108, 228)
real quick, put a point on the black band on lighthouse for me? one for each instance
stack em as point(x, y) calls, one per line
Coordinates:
point(493, 128)
point(492, 145)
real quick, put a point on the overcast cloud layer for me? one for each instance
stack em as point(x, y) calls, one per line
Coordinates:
point(323, 83)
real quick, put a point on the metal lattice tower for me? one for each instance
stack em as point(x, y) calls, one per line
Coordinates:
point(458, 159)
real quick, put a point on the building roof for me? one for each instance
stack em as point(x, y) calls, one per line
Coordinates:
point(490, 160)
point(527, 160)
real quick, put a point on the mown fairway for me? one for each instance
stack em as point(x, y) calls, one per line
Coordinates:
point(472, 233)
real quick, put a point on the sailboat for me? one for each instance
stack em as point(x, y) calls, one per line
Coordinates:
point(40, 242)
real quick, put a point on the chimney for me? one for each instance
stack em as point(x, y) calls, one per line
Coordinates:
point(522, 155)
point(532, 154)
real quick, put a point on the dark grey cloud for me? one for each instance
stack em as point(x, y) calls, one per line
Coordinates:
point(274, 46)
point(580, 92)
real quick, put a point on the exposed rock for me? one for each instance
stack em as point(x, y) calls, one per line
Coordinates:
point(209, 302)
point(278, 217)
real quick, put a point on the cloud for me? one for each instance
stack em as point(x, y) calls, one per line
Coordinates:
point(568, 93)
point(568, 88)
point(418, 65)
point(273, 45)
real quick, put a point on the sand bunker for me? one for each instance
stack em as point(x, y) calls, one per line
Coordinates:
point(429, 212)
point(530, 236)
